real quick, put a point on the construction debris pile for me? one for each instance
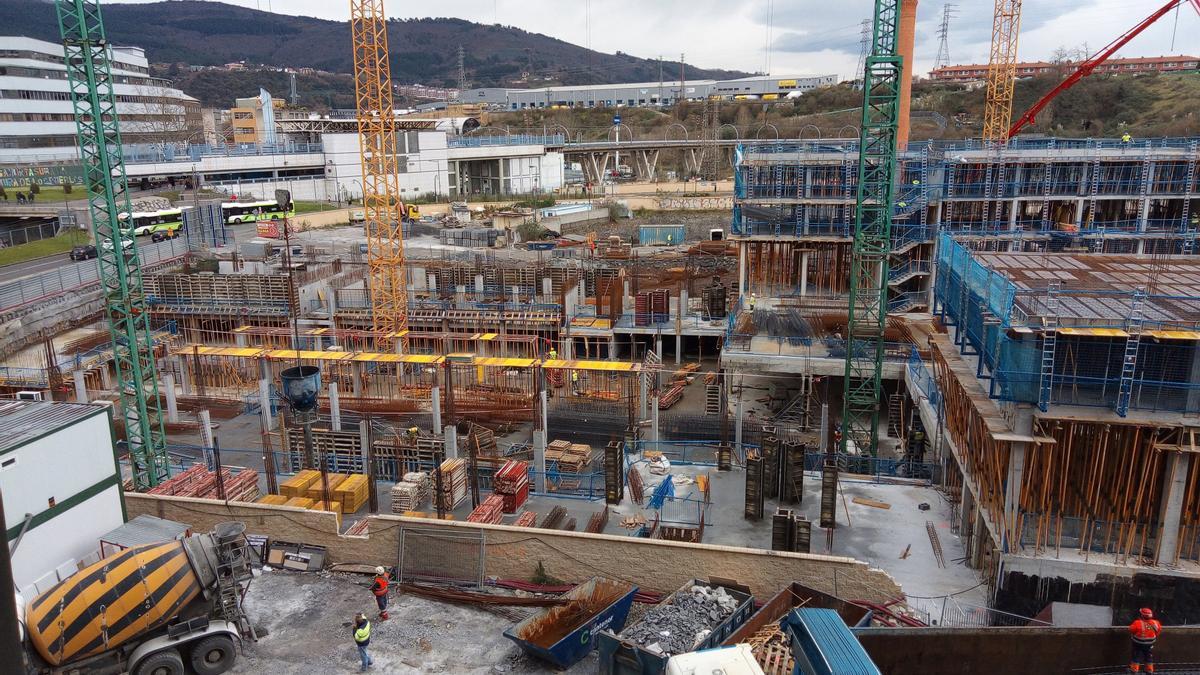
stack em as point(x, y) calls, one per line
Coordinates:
point(676, 628)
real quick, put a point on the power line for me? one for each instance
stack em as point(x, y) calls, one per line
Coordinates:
point(767, 44)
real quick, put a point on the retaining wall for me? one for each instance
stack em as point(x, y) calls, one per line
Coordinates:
point(514, 552)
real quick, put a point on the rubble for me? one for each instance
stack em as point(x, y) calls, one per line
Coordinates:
point(677, 628)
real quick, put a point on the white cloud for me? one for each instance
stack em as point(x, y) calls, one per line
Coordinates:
point(808, 36)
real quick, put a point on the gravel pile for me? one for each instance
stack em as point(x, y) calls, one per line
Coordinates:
point(677, 628)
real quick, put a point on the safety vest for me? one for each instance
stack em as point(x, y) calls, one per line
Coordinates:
point(380, 587)
point(553, 355)
point(1145, 632)
point(362, 634)
point(574, 376)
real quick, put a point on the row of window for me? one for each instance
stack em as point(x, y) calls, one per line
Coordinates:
point(58, 58)
point(46, 74)
point(63, 141)
point(56, 117)
point(28, 95)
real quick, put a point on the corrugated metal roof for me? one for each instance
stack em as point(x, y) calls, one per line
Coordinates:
point(145, 529)
point(22, 421)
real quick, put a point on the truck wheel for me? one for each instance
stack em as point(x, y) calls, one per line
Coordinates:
point(213, 656)
point(166, 662)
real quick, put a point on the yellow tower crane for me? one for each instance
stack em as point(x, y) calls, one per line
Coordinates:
point(1002, 70)
point(382, 208)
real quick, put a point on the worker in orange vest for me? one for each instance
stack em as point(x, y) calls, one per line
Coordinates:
point(1143, 632)
point(380, 588)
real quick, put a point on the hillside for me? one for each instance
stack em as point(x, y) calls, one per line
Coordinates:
point(1149, 105)
point(422, 50)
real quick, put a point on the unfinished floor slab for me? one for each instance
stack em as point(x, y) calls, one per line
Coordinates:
point(307, 617)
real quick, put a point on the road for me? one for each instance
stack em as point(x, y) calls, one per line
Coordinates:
point(31, 267)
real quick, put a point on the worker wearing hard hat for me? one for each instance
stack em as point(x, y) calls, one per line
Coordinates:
point(379, 587)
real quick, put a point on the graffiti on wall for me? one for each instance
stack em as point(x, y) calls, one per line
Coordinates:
point(55, 174)
point(694, 203)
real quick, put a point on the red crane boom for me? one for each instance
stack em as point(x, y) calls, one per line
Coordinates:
point(1086, 67)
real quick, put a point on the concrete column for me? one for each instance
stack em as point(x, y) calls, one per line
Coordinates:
point(548, 287)
point(185, 385)
point(80, 378)
point(1171, 508)
point(539, 460)
point(450, 438)
point(803, 273)
point(436, 404)
point(1018, 450)
point(240, 339)
point(356, 379)
point(516, 293)
point(335, 407)
point(206, 430)
point(169, 392)
point(741, 287)
point(479, 287)
point(1014, 206)
point(654, 420)
point(364, 445)
point(737, 425)
point(612, 347)
point(643, 396)
point(264, 401)
point(824, 438)
point(545, 411)
point(678, 348)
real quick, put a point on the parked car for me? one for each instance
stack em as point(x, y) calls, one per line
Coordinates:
point(85, 252)
point(164, 235)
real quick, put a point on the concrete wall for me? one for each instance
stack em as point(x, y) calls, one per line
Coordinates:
point(514, 552)
point(967, 651)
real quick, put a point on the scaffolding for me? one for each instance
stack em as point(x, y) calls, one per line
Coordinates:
point(1063, 329)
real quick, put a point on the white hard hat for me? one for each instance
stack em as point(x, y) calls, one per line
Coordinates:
point(379, 570)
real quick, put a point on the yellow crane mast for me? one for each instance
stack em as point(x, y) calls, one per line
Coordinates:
point(382, 208)
point(1002, 70)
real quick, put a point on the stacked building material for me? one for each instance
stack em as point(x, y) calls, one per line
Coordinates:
point(300, 502)
point(553, 519)
point(272, 500)
point(352, 493)
point(670, 397)
point(598, 521)
point(512, 483)
point(454, 483)
point(198, 481)
point(526, 519)
point(489, 511)
point(359, 529)
point(297, 485)
point(569, 457)
point(406, 497)
point(316, 491)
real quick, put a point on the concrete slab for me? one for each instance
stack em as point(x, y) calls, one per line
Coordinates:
point(307, 616)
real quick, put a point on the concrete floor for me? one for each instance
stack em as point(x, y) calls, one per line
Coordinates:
point(308, 615)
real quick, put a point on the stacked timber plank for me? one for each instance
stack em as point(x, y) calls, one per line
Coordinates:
point(360, 528)
point(511, 482)
point(454, 483)
point(300, 502)
point(297, 485)
point(526, 519)
point(272, 500)
point(316, 491)
point(198, 481)
point(351, 493)
point(490, 511)
point(569, 457)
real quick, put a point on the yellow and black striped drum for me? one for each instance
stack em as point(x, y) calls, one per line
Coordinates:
point(107, 603)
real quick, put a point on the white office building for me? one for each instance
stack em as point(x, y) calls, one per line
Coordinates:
point(37, 122)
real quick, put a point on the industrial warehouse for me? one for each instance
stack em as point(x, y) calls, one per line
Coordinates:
point(426, 395)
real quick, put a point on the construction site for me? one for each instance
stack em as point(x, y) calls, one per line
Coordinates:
point(896, 407)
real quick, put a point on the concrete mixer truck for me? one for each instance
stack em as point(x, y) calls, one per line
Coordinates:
point(147, 610)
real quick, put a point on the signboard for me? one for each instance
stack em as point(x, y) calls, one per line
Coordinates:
point(616, 120)
point(56, 174)
point(787, 84)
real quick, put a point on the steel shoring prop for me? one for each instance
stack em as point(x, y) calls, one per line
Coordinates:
point(89, 76)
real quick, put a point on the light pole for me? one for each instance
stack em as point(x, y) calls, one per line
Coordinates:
point(362, 192)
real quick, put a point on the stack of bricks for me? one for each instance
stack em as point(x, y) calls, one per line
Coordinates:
point(490, 511)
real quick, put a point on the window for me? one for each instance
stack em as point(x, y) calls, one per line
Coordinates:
point(8, 462)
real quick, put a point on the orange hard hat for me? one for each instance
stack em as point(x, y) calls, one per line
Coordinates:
point(1147, 613)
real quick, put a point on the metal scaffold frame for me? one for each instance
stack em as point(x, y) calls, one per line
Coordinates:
point(382, 207)
point(872, 233)
point(89, 76)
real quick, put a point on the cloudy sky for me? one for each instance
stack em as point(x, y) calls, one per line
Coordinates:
point(805, 36)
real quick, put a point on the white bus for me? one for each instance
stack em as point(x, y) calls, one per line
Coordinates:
point(149, 222)
point(250, 212)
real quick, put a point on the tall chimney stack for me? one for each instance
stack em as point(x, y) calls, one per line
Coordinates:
point(908, 33)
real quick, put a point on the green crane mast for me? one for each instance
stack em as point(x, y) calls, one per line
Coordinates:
point(872, 233)
point(89, 74)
